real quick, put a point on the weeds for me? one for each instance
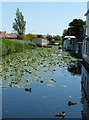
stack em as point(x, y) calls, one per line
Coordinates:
point(11, 46)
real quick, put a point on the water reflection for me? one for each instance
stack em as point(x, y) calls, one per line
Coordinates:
point(38, 85)
point(23, 68)
point(85, 91)
point(74, 67)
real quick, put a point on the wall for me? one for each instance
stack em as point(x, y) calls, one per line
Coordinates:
point(37, 41)
point(69, 44)
point(40, 41)
point(85, 48)
point(44, 42)
point(87, 20)
point(85, 92)
point(85, 72)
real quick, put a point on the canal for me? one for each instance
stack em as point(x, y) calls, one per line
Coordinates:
point(53, 77)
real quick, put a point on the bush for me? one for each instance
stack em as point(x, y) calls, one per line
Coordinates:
point(11, 46)
point(30, 36)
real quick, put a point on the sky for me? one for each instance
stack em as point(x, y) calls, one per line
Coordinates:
point(42, 17)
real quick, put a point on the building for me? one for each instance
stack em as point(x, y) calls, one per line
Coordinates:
point(78, 49)
point(69, 43)
point(85, 50)
point(11, 36)
point(40, 41)
point(85, 71)
point(8, 36)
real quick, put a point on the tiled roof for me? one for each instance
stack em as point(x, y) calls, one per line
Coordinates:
point(11, 35)
point(6, 35)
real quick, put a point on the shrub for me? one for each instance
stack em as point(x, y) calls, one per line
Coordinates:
point(11, 46)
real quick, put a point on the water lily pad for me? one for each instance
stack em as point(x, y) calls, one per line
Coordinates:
point(39, 64)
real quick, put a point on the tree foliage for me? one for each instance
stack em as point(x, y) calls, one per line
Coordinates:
point(27, 37)
point(31, 36)
point(49, 37)
point(78, 28)
point(65, 32)
point(56, 37)
point(20, 23)
point(39, 36)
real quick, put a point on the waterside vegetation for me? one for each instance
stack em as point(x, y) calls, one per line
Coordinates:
point(12, 46)
point(39, 64)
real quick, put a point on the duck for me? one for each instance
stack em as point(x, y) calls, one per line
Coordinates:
point(28, 89)
point(60, 114)
point(41, 81)
point(71, 103)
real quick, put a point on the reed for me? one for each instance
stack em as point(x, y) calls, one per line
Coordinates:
point(10, 46)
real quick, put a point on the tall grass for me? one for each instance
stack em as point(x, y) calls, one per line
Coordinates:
point(11, 46)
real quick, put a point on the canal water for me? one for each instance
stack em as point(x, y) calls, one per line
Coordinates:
point(54, 80)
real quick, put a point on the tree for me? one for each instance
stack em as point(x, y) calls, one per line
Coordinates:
point(77, 27)
point(19, 24)
point(39, 36)
point(49, 37)
point(65, 32)
point(57, 38)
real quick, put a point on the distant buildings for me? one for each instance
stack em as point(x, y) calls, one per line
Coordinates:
point(72, 44)
point(78, 49)
point(8, 36)
point(40, 41)
point(69, 43)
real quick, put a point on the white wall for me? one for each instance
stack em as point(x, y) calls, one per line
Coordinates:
point(85, 74)
point(44, 42)
point(85, 50)
point(40, 41)
point(87, 20)
point(68, 44)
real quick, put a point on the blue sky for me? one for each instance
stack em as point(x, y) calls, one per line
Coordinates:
point(43, 17)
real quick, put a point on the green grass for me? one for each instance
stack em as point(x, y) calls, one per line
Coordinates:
point(10, 46)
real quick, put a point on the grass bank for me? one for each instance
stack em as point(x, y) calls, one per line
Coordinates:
point(10, 46)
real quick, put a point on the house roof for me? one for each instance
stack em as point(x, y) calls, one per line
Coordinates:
point(11, 35)
point(6, 35)
point(69, 37)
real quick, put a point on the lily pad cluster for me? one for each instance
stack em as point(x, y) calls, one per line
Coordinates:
point(39, 64)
